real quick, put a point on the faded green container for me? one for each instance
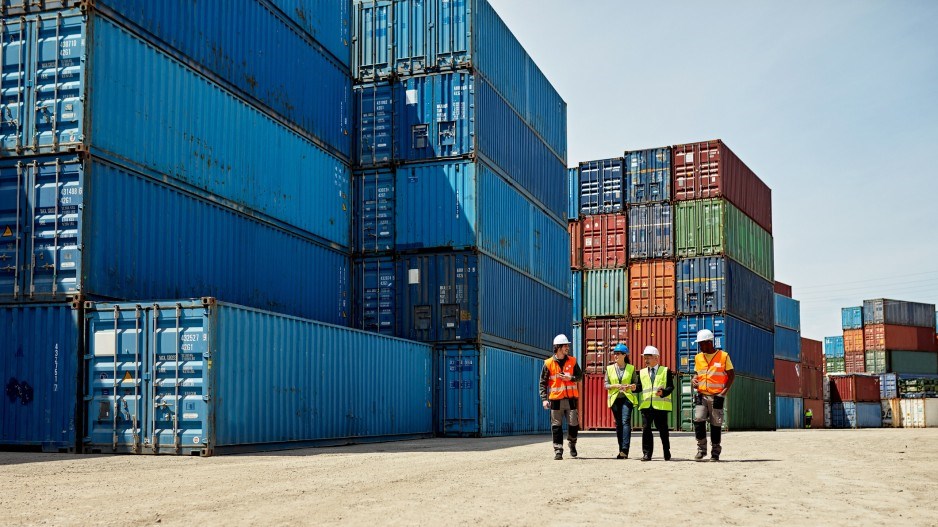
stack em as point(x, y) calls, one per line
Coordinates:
point(708, 227)
point(875, 361)
point(919, 362)
point(835, 364)
point(750, 405)
point(605, 293)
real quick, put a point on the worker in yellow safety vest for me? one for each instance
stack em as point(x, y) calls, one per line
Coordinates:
point(621, 381)
point(808, 416)
point(714, 376)
point(655, 383)
point(560, 395)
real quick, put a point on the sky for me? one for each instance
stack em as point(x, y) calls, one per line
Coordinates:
point(833, 103)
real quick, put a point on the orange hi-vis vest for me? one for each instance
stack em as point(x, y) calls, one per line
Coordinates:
point(559, 388)
point(711, 376)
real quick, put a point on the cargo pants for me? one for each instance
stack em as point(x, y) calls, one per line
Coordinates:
point(708, 408)
point(560, 410)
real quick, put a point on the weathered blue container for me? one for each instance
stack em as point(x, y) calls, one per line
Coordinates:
point(327, 21)
point(789, 412)
point(86, 226)
point(19, 7)
point(897, 312)
point(889, 386)
point(715, 284)
point(232, 149)
point(601, 187)
point(651, 231)
point(269, 61)
point(473, 298)
point(375, 295)
point(648, 175)
point(833, 346)
point(375, 205)
point(455, 205)
point(787, 312)
point(787, 344)
point(852, 317)
point(576, 289)
point(576, 347)
point(200, 377)
point(456, 115)
point(573, 200)
point(486, 391)
point(410, 37)
point(856, 415)
point(39, 369)
point(750, 347)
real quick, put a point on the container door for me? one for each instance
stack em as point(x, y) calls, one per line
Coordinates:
point(374, 53)
point(14, 185)
point(410, 36)
point(57, 112)
point(55, 201)
point(450, 32)
point(14, 77)
point(459, 391)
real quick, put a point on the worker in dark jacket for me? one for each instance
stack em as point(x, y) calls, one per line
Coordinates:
point(559, 394)
point(655, 383)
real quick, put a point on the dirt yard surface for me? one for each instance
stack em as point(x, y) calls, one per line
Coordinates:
point(826, 477)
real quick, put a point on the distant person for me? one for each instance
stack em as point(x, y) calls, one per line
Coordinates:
point(655, 383)
point(714, 376)
point(560, 395)
point(621, 382)
point(808, 415)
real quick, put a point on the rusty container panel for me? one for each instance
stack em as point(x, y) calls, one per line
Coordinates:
point(882, 337)
point(782, 289)
point(787, 378)
point(709, 169)
point(600, 335)
point(853, 340)
point(811, 382)
point(594, 410)
point(855, 362)
point(604, 241)
point(854, 388)
point(817, 408)
point(812, 352)
point(660, 332)
point(575, 228)
point(651, 289)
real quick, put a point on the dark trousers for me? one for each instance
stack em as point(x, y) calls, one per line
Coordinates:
point(559, 410)
point(660, 419)
point(622, 413)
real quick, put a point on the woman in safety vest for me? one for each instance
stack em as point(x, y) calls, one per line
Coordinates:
point(620, 385)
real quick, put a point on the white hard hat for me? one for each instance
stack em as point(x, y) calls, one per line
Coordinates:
point(561, 339)
point(704, 335)
point(651, 350)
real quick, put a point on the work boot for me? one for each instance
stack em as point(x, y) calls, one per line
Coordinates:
point(646, 457)
point(667, 456)
point(573, 449)
point(623, 454)
point(700, 454)
point(714, 457)
point(558, 455)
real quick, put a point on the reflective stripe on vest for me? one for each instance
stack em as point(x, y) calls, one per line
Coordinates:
point(559, 388)
point(613, 378)
point(650, 390)
point(712, 377)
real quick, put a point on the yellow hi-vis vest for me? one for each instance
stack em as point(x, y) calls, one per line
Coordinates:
point(613, 378)
point(650, 390)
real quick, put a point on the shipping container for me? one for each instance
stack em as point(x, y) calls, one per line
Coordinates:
point(81, 227)
point(600, 336)
point(889, 386)
point(648, 176)
point(605, 293)
point(709, 227)
point(249, 47)
point(918, 386)
point(575, 231)
point(750, 348)
point(201, 377)
point(856, 388)
point(651, 288)
point(720, 285)
point(325, 20)
point(908, 362)
point(855, 362)
point(812, 380)
point(853, 340)
point(918, 413)
point(374, 216)
point(576, 290)
point(40, 347)
point(892, 413)
point(787, 312)
point(485, 392)
point(601, 185)
point(787, 344)
point(833, 347)
point(789, 413)
point(302, 185)
point(880, 337)
point(783, 289)
point(835, 365)
point(897, 312)
point(851, 318)
point(596, 415)
point(750, 405)
point(411, 37)
point(573, 194)
point(604, 241)
point(659, 332)
point(856, 415)
point(651, 231)
point(710, 169)
point(812, 353)
point(819, 418)
point(375, 295)
point(787, 378)
point(576, 347)
point(468, 297)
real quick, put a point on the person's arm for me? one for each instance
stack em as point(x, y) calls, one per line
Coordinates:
point(730, 377)
point(577, 373)
point(637, 381)
point(545, 378)
point(669, 387)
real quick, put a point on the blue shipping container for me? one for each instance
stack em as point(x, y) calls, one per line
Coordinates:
point(39, 359)
point(787, 344)
point(327, 21)
point(787, 312)
point(410, 37)
point(375, 295)
point(601, 187)
point(750, 347)
point(232, 149)
point(833, 346)
point(852, 317)
point(576, 289)
point(789, 413)
point(374, 215)
point(714, 284)
point(856, 415)
point(90, 227)
point(576, 340)
point(573, 200)
point(648, 175)
point(19, 7)
point(469, 297)
point(889, 386)
point(651, 231)
point(486, 391)
point(204, 377)
point(897, 312)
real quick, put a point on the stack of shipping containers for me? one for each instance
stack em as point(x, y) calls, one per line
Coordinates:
point(788, 367)
point(460, 204)
point(812, 379)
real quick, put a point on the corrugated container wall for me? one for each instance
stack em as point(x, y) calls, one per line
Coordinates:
point(655, 331)
point(788, 378)
point(604, 241)
point(852, 317)
point(812, 382)
point(783, 289)
point(601, 335)
point(750, 347)
point(651, 288)
point(911, 362)
point(856, 415)
point(817, 408)
point(375, 215)
point(720, 285)
point(648, 175)
point(601, 189)
point(833, 346)
point(787, 312)
point(811, 353)
point(594, 407)
point(576, 289)
point(576, 347)
point(918, 413)
point(787, 344)
point(789, 412)
point(651, 231)
point(853, 340)
point(575, 232)
point(750, 405)
point(234, 363)
point(573, 193)
point(897, 312)
point(889, 337)
point(889, 386)
point(605, 293)
point(862, 388)
point(375, 295)
point(326, 21)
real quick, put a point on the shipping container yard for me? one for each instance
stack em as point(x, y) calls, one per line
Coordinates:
point(324, 255)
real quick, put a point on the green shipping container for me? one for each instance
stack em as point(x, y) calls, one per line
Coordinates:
point(708, 227)
point(918, 362)
point(605, 293)
point(750, 405)
point(875, 361)
point(835, 364)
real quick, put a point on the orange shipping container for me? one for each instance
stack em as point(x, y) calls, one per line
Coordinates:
point(594, 410)
point(882, 337)
point(576, 244)
point(853, 340)
point(651, 288)
point(600, 335)
point(660, 332)
point(604, 241)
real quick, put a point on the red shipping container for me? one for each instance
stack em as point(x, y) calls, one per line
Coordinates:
point(604, 241)
point(599, 336)
point(787, 378)
point(855, 388)
point(576, 244)
point(660, 332)
point(783, 289)
point(812, 352)
point(651, 288)
point(853, 340)
point(811, 382)
point(710, 169)
point(594, 410)
point(855, 362)
point(817, 411)
point(882, 337)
